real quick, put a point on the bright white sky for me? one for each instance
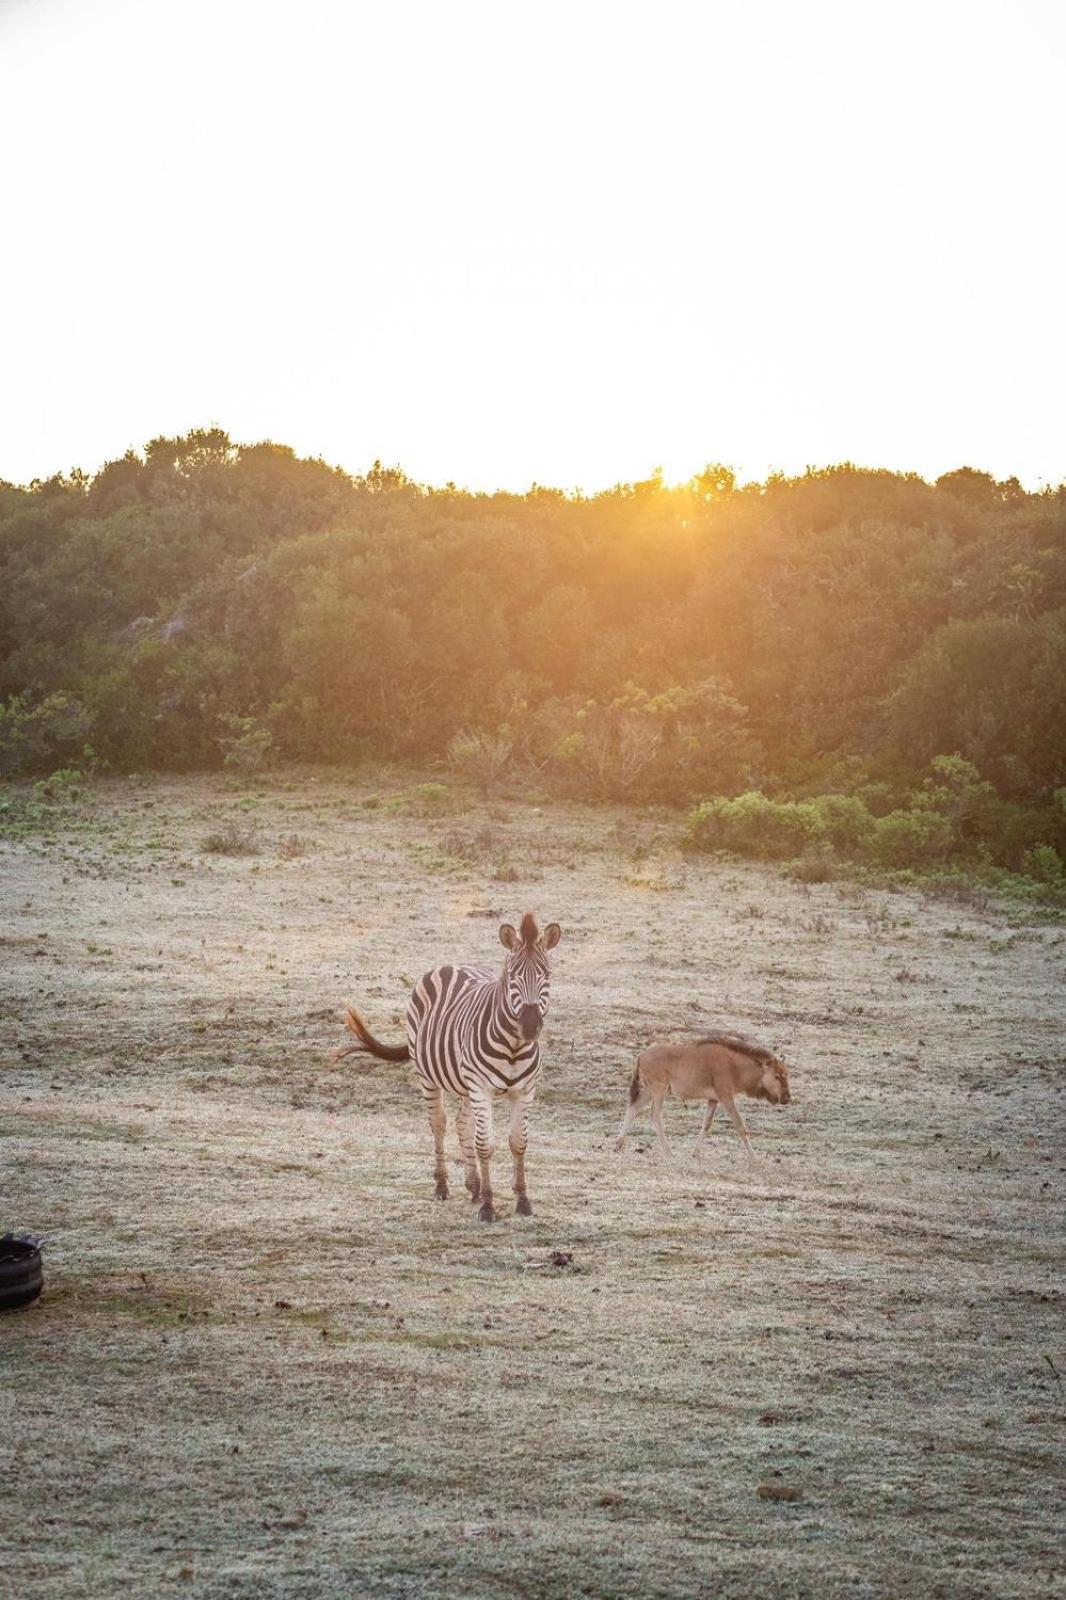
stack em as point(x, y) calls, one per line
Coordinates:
point(525, 240)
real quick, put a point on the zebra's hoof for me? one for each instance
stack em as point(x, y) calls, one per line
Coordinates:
point(523, 1208)
point(486, 1213)
point(441, 1192)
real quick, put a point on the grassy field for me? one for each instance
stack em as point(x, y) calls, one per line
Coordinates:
point(268, 1364)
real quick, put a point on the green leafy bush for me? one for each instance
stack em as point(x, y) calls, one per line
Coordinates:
point(752, 825)
point(1044, 865)
point(953, 819)
point(425, 799)
point(991, 688)
point(38, 734)
point(66, 783)
point(246, 743)
point(847, 824)
point(912, 838)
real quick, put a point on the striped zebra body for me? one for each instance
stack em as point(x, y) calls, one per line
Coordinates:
point(477, 1037)
point(458, 1040)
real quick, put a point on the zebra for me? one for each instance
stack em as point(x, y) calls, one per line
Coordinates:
point(477, 1037)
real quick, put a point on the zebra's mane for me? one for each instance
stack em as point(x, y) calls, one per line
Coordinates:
point(740, 1043)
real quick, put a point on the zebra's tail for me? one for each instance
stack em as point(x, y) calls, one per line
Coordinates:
point(635, 1084)
point(365, 1043)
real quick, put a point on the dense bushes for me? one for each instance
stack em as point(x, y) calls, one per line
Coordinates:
point(993, 689)
point(794, 654)
point(752, 825)
point(39, 735)
point(917, 838)
point(663, 748)
point(954, 818)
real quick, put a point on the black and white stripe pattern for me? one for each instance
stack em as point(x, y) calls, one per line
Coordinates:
point(461, 1036)
point(476, 1036)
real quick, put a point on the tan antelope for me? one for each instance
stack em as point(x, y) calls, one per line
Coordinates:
point(717, 1068)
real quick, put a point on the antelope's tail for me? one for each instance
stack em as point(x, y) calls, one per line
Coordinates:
point(365, 1043)
point(635, 1084)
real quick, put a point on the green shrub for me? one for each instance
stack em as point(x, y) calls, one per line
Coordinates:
point(66, 783)
point(1044, 865)
point(425, 799)
point(36, 735)
point(912, 838)
point(245, 744)
point(878, 798)
point(752, 825)
point(990, 688)
point(846, 822)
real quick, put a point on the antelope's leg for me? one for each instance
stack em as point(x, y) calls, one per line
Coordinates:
point(481, 1107)
point(663, 1146)
point(438, 1119)
point(738, 1123)
point(464, 1123)
point(633, 1110)
point(708, 1118)
point(518, 1139)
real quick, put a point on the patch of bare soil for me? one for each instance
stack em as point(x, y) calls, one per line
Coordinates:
point(267, 1363)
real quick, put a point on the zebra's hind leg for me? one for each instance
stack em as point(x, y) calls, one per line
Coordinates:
point(464, 1123)
point(481, 1107)
point(518, 1140)
point(438, 1119)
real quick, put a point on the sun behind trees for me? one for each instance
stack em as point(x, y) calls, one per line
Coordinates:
point(791, 658)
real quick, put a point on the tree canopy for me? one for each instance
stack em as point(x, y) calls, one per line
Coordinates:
point(803, 635)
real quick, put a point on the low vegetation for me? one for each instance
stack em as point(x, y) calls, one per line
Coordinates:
point(955, 822)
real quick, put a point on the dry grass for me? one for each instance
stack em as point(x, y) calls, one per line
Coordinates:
point(267, 1364)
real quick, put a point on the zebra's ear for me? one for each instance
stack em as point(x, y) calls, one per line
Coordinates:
point(551, 936)
point(508, 936)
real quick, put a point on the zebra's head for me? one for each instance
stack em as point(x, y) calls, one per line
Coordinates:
point(525, 974)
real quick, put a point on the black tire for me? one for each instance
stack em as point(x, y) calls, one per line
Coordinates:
point(21, 1274)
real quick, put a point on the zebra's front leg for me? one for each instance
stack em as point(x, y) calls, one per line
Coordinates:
point(438, 1119)
point(518, 1140)
point(481, 1108)
point(464, 1123)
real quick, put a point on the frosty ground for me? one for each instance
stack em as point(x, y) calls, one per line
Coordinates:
point(267, 1363)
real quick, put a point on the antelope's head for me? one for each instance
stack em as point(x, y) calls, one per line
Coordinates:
point(526, 978)
point(773, 1085)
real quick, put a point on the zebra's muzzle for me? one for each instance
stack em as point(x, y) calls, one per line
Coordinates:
point(530, 1022)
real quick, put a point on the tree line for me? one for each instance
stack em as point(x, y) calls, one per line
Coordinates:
point(830, 635)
